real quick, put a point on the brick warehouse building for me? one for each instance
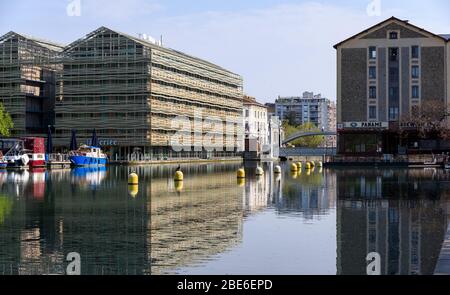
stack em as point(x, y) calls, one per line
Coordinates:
point(383, 73)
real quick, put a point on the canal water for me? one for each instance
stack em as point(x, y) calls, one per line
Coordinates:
point(324, 221)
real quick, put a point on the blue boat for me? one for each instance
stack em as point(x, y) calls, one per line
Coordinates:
point(90, 176)
point(88, 156)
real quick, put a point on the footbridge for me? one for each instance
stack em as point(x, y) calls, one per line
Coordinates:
point(298, 135)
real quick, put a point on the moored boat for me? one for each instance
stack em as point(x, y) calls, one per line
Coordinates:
point(14, 152)
point(35, 147)
point(3, 162)
point(22, 152)
point(88, 156)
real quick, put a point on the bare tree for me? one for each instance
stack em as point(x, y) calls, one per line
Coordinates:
point(428, 119)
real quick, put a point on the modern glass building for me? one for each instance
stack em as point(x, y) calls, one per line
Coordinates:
point(131, 90)
point(28, 69)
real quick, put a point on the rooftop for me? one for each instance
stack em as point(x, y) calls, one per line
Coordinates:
point(148, 44)
point(394, 19)
point(445, 36)
point(41, 42)
point(248, 100)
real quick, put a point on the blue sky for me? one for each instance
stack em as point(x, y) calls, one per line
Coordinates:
point(279, 47)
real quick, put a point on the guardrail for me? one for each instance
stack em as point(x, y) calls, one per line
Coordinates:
point(174, 157)
point(58, 158)
point(292, 152)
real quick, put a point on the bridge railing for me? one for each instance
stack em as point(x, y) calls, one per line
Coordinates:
point(307, 134)
point(292, 152)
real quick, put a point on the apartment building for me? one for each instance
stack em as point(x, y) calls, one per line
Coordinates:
point(255, 120)
point(309, 108)
point(384, 74)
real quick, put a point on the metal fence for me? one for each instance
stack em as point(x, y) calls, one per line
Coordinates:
point(292, 152)
point(137, 157)
point(58, 158)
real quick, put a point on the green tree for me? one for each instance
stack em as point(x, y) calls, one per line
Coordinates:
point(291, 118)
point(6, 123)
point(310, 141)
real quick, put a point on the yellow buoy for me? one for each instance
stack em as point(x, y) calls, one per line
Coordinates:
point(133, 179)
point(313, 164)
point(241, 173)
point(179, 176)
point(308, 166)
point(241, 182)
point(179, 185)
point(320, 164)
point(259, 171)
point(294, 167)
point(277, 169)
point(299, 165)
point(133, 190)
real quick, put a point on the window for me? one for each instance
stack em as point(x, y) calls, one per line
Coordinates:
point(415, 51)
point(372, 72)
point(415, 73)
point(372, 92)
point(393, 35)
point(415, 92)
point(372, 112)
point(393, 54)
point(372, 52)
point(393, 113)
point(393, 93)
point(393, 74)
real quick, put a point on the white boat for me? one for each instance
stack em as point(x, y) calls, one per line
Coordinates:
point(15, 154)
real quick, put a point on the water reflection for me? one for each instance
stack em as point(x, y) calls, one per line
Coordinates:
point(402, 215)
point(308, 193)
point(88, 177)
point(313, 222)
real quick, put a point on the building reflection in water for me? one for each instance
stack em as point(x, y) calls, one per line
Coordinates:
point(310, 194)
point(192, 224)
point(45, 215)
point(49, 219)
point(167, 226)
point(399, 214)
